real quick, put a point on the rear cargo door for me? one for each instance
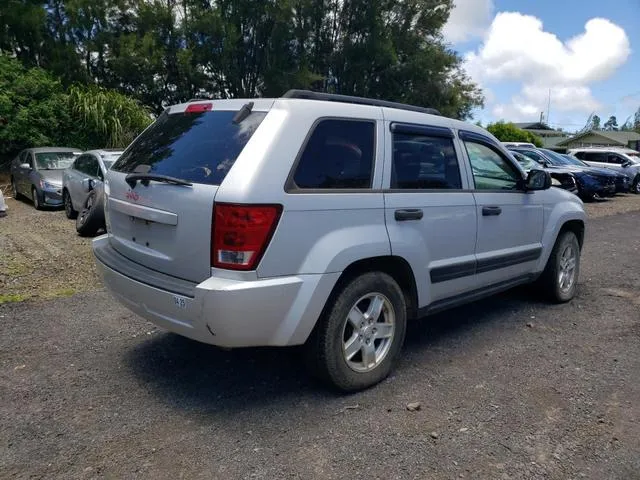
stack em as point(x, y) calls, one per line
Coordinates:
point(163, 224)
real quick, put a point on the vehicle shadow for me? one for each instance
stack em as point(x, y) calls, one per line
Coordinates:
point(191, 375)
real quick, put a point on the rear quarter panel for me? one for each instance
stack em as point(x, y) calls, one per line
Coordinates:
point(318, 232)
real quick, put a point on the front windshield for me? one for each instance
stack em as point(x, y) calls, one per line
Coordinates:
point(555, 158)
point(539, 159)
point(574, 161)
point(54, 160)
point(526, 162)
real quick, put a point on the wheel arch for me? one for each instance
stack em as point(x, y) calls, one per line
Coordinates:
point(575, 226)
point(394, 266)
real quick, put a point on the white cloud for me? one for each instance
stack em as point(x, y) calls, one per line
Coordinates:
point(516, 48)
point(469, 19)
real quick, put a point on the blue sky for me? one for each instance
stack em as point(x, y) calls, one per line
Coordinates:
point(585, 52)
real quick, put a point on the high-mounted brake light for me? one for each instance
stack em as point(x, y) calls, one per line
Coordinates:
point(199, 107)
point(241, 234)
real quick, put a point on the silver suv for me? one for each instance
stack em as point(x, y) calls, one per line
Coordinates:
point(327, 221)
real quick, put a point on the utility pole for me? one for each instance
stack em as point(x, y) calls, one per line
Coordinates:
point(549, 107)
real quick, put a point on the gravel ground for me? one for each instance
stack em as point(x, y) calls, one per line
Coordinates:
point(509, 388)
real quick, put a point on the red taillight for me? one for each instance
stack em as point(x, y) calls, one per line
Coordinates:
point(199, 107)
point(241, 234)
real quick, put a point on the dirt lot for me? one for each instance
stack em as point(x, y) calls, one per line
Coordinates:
point(509, 387)
point(42, 255)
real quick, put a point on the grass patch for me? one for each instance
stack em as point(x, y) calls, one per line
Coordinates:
point(12, 298)
point(65, 292)
point(15, 268)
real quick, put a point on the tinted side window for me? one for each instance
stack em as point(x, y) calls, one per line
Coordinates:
point(491, 171)
point(339, 154)
point(595, 157)
point(92, 166)
point(580, 155)
point(424, 162)
point(616, 159)
point(81, 164)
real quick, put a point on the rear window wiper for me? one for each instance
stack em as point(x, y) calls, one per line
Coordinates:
point(144, 178)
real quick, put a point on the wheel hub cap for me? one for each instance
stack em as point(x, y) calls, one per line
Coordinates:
point(368, 332)
point(567, 271)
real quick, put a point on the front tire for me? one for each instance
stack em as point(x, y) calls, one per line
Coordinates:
point(560, 277)
point(635, 188)
point(68, 205)
point(37, 202)
point(360, 335)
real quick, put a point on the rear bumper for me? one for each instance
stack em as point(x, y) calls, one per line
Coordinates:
point(225, 312)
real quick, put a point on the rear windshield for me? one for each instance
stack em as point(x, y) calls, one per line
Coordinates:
point(196, 147)
point(55, 160)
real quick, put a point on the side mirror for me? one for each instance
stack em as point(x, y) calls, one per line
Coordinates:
point(538, 180)
point(25, 166)
point(626, 164)
point(88, 184)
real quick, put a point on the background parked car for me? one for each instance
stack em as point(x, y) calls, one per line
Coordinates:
point(36, 173)
point(559, 179)
point(82, 187)
point(623, 182)
point(623, 160)
point(592, 183)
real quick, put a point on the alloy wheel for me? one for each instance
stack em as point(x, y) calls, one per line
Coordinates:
point(567, 270)
point(368, 332)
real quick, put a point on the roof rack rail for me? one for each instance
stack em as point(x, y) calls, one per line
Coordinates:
point(332, 97)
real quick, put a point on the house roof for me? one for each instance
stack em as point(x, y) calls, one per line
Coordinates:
point(623, 138)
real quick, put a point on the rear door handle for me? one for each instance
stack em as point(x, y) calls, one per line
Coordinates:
point(410, 214)
point(491, 211)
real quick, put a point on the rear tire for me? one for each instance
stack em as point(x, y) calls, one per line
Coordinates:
point(68, 205)
point(359, 336)
point(37, 202)
point(89, 221)
point(560, 277)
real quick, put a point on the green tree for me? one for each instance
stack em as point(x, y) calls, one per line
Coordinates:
point(33, 107)
point(595, 123)
point(36, 110)
point(611, 124)
point(106, 117)
point(168, 51)
point(508, 132)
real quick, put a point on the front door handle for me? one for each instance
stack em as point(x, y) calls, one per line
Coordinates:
point(410, 214)
point(491, 211)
